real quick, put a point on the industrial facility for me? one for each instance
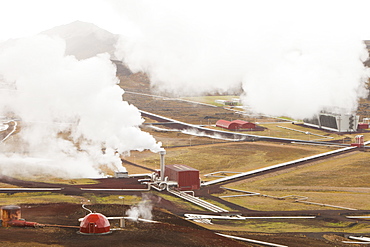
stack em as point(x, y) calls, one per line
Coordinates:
point(338, 122)
point(176, 176)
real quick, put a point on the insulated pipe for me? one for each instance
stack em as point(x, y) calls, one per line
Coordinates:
point(22, 223)
point(162, 153)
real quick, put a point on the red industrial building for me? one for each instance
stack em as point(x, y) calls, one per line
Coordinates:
point(235, 125)
point(186, 176)
point(243, 124)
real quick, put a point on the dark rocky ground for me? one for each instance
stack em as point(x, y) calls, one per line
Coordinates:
point(172, 230)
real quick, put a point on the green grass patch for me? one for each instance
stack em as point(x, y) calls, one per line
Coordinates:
point(240, 156)
point(268, 204)
point(5, 185)
point(211, 99)
point(350, 170)
point(288, 225)
point(340, 181)
point(112, 199)
point(56, 180)
point(181, 203)
point(299, 132)
point(217, 204)
point(36, 198)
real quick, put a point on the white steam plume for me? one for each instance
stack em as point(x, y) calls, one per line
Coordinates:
point(142, 210)
point(70, 111)
point(290, 57)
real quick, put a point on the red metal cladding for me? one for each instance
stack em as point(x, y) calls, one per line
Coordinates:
point(223, 124)
point(95, 223)
point(235, 125)
point(186, 176)
point(243, 124)
point(227, 125)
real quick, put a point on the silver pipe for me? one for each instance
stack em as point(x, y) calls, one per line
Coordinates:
point(83, 206)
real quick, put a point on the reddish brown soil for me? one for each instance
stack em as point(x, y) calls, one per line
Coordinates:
point(172, 231)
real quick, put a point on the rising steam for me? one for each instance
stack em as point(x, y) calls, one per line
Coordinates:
point(142, 210)
point(287, 62)
point(72, 117)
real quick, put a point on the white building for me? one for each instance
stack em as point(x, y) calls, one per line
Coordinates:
point(339, 122)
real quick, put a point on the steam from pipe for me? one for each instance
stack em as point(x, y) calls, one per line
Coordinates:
point(73, 119)
point(142, 210)
point(286, 63)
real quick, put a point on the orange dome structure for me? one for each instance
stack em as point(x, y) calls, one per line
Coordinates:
point(95, 224)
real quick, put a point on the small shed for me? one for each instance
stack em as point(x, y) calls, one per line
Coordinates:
point(186, 177)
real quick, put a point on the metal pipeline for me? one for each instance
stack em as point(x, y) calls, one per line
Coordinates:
point(23, 223)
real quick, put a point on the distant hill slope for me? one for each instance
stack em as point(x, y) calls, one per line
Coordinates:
point(85, 40)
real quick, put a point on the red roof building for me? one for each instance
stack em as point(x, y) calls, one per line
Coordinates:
point(223, 124)
point(95, 223)
point(244, 125)
point(235, 125)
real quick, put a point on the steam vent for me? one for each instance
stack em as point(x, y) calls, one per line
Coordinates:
point(95, 224)
point(10, 213)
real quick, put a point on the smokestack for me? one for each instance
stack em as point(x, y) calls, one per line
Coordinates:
point(162, 153)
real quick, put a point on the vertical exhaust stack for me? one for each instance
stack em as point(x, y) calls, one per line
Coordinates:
point(162, 153)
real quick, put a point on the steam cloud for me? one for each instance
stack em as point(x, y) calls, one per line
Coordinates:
point(70, 111)
point(292, 64)
point(142, 210)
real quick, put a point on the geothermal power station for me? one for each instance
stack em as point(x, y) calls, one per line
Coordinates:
point(94, 154)
point(191, 185)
